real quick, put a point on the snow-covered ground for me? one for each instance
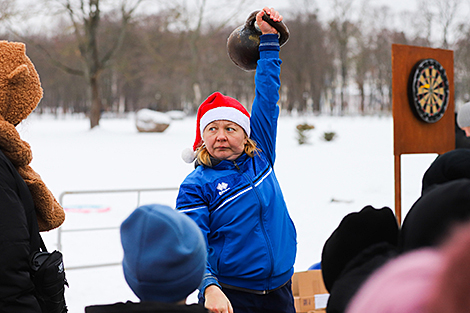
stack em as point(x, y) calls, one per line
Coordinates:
point(322, 182)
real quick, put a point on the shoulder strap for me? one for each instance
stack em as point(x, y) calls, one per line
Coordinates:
point(36, 243)
point(42, 245)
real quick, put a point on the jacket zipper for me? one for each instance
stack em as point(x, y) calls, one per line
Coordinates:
point(266, 238)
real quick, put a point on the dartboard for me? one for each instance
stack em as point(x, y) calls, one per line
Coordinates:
point(428, 90)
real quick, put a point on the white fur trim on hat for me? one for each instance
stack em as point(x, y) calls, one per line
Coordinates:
point(225, 113)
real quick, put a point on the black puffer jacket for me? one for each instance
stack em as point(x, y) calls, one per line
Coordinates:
point(17, 223)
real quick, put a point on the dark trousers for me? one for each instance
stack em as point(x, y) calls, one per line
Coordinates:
point(280, 300)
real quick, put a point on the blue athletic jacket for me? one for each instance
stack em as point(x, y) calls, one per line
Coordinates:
point(239, 204)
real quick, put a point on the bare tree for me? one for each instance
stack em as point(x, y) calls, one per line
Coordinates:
point(7, 9)
point(85, 19)
point(462, 64)
point(435, 16)
point(425, 21)
point(170, 59)
point(306, 60)
point(446, 13)
point(343, 29)
point(202, 18)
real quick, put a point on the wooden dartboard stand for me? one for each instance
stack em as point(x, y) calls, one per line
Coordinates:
point(412, 135)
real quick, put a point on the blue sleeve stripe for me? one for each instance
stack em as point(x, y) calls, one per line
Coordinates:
point(269, 42)
point(264, 177)
point(231, 198)
point(193, 209)
point(243, 191)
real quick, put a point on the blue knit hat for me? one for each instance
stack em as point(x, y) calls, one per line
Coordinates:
point(164, 253)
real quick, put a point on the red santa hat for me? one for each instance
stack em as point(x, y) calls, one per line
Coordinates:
point(217, 107)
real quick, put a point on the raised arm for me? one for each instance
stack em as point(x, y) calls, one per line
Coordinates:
point(265, 110)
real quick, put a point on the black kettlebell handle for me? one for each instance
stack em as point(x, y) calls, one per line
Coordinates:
point(279, 26)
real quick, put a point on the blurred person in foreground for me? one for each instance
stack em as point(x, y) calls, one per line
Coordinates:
point(235, 197)
point(164, 261)
point(426, 280)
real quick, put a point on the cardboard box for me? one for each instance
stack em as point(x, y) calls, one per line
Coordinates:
point(304, 304)
point(308, 304)
point(310, 294)
point(297, 304)
point(308, 283)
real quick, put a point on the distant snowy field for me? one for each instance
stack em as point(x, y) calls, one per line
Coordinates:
point(322, 182)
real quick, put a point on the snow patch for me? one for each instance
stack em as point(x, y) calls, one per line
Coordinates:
point(147, 120)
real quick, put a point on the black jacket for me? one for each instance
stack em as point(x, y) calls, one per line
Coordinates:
point(145, 307)
point(17, 223)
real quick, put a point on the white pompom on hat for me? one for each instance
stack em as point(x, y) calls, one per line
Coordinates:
point(217, 107)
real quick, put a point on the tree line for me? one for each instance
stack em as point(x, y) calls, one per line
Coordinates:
point(158, 61)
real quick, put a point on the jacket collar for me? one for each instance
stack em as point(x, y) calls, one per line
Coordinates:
point(225, 164)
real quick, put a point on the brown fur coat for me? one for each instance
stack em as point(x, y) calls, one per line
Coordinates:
point(20, 93)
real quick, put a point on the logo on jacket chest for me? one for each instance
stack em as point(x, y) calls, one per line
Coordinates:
point(222, 188)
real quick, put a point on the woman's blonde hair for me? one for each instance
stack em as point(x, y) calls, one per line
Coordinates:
point(204, 157)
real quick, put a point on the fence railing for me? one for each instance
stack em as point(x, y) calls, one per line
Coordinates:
point(60, 230)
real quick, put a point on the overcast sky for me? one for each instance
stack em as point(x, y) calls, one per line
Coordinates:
point(325, 12)
point(325, 6)
point(410, 22)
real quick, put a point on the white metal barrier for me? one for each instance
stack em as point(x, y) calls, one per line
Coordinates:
point(60, 231)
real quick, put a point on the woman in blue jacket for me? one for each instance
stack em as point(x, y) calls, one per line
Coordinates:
point(235, 198)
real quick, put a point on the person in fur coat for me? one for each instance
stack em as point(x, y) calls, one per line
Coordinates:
point(26, 204)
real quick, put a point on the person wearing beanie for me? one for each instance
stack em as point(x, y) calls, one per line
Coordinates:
point(362, 243)
point(27, 205)
point(164, 261)
point(463, 118)
point(235, 198)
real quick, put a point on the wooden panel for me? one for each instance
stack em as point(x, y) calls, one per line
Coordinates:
point(411, 135)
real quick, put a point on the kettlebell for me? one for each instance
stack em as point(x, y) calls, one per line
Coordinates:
point(243, 42)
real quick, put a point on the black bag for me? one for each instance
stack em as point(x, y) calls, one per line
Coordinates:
point(48, 276)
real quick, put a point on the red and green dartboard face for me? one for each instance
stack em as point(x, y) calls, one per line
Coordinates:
point(428, 90)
